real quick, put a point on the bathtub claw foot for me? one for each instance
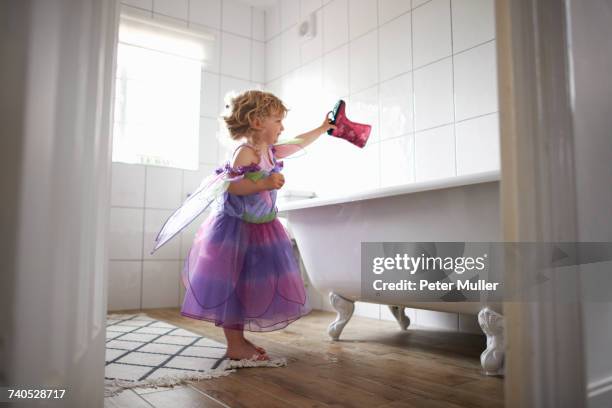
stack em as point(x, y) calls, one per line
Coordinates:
point(492, 324)
point(400, 316)
point(344, 308)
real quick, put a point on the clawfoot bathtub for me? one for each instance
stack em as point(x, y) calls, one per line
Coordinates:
point(329, 232)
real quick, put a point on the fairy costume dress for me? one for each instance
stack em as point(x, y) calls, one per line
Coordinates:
point(241, 272)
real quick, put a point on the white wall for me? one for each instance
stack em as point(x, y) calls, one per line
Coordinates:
point(143, 197)
point(423, 73)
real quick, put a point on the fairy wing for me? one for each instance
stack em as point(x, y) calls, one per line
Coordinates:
point(211, 187)
point(287, 148)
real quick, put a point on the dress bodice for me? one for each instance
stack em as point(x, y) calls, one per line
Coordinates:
point(257, 207)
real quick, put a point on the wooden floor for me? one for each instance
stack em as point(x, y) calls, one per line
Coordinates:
point(374, 364)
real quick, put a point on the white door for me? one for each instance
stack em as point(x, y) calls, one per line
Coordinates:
point(56, 80)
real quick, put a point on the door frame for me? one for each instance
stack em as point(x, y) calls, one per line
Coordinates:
point(538, 200)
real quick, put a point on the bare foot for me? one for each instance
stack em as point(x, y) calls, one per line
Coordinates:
point(259, 349)
point(244, 350)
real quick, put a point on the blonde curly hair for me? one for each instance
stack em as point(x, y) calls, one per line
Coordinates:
point(245, 107)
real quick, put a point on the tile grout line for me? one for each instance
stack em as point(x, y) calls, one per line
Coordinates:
point(144, 210)
point(348, 47)
point(413, 178)
point(251, 48)
point(450, 11)
point(379, 181)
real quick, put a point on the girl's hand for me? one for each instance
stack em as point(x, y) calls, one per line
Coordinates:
point(326, 125)
point(274, 181)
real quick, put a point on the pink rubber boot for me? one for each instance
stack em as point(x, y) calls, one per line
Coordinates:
point(356, 133)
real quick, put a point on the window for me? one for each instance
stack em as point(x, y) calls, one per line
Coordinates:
point(157, 98)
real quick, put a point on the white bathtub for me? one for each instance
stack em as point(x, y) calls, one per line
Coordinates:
point(329, 232)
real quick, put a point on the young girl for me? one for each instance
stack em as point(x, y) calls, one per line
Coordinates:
point(241, 273)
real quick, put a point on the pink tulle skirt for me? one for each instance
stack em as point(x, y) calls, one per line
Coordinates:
point(243, 275)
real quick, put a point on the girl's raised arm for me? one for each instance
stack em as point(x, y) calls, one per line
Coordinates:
point(303, 140)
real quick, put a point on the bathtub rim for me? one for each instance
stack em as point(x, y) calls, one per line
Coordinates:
point(416, 187)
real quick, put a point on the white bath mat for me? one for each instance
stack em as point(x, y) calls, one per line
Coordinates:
point(144, 352)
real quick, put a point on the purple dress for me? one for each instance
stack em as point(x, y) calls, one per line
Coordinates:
point(241, 272)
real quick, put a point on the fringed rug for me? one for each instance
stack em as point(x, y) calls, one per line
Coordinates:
point(144, 352)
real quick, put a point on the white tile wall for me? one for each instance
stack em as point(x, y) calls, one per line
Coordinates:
point(439, 320)
point(433, 94)
point(209, 98)
point(336, 72)
point(307, 113)
point(389, 9)
point(435, 153)
point(290, 93)
point(124, 282)
point(236, 56)
point(363, 65)
point(163, 187)
point(144, 196)
point(209, 145)
point(290, 13)
point(309, 6)
point(369, 159)
point(273, 59)
point(335, 24)
point(205, 12)
point(290, 50)
point(396, 107)
point(431, 29)
point(367, 310)
point(478, 144)
point(417, 3)
point(258, 65)
point(258, 24)
point(126, 231)
point(395, 54)
point(397, 161)
point(473, 23)
point(127, 185)
point(159, 288)
point(363, 17)
point(475, 81)
point(236, 18)
point(272, 22)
